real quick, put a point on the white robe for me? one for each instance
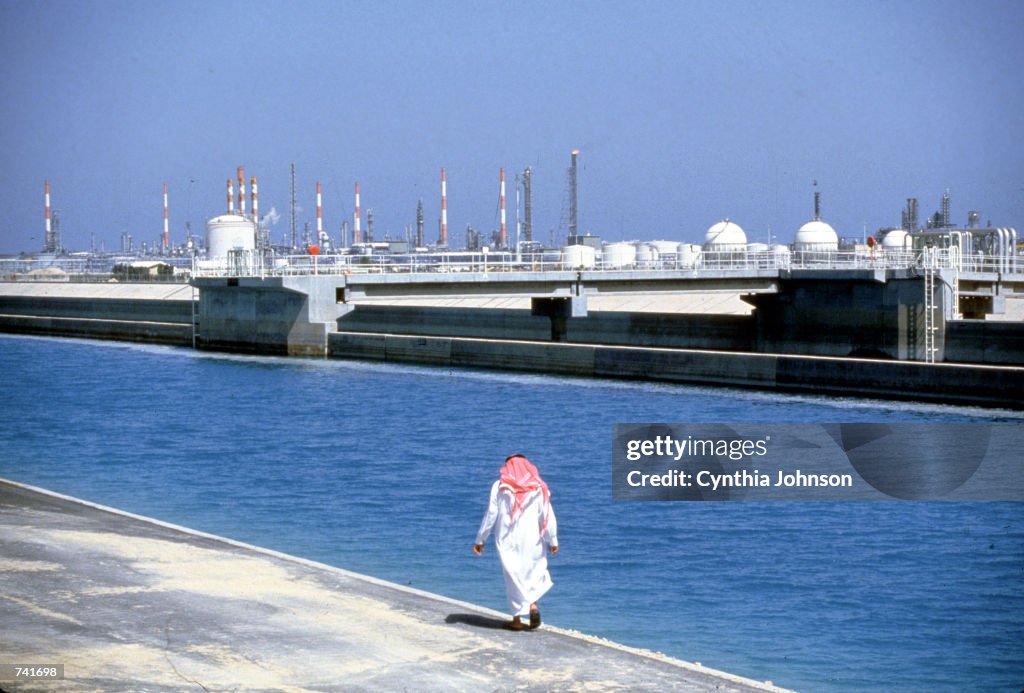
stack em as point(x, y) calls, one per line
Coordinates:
point(521, 545)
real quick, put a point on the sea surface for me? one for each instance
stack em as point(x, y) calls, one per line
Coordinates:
point(385, 470)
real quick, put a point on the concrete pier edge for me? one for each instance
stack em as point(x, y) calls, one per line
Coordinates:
point(694, 667)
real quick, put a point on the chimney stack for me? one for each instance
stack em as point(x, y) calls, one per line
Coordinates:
point(167, 235)
point(503, 239)
point(319, 215)
point(573, 226)
point(48, 238)
point(357, 234)
point(255, 201)
point(241, 190)
point(443, 241)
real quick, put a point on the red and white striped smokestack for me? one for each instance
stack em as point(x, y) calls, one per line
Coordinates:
point(319, 214)
point(241, 190)
point(167, 234)
point(46, 197)
point(444, 208)
point(357, 236)
point(502, 237)
point(255, 200)
point(231, 197)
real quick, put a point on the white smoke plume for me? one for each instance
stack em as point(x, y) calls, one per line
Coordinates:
point(272, 217)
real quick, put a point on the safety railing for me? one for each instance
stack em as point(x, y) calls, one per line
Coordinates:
point(250, 263)
point(254, 264)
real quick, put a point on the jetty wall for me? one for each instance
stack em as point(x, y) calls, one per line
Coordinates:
point(702, 331)
point(151, 313)
point(311, 317)
point(945, 383)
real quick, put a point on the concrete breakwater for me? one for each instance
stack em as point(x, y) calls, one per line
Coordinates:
point(111, 601)
point(154, 313)
point(943, 383)
point(859, 334)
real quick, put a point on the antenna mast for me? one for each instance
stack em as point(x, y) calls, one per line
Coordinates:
point(293, 206)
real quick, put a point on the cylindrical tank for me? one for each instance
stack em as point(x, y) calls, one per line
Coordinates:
point(618, 255)
point(579, 257)
point(781, 254)
point(689, 254)
point(757, 255)
point(646, 255)
point(229, 232)
point(667, 252)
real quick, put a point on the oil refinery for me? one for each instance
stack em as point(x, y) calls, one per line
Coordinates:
point(238, 241)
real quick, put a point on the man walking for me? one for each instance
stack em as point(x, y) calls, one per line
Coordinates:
point(523, 521)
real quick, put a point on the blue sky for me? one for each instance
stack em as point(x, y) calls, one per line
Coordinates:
point(684, 112)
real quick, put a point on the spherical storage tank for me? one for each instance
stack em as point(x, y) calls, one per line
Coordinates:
point(618, 255)
point(229, 232)
point(897, 239)
point(816, 235)
point(725, 235)
point(579, 256)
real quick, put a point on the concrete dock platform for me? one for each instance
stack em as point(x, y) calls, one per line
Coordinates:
point(126, 603)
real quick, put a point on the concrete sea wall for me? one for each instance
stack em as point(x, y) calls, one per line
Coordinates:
point(730, 332)
point(944, 383)
point(985, 341)
point(310, 317)
point(152, 313)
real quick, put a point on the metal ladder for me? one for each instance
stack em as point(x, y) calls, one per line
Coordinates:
point(930, 327)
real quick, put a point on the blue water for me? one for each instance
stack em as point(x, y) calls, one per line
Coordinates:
point(385, 470)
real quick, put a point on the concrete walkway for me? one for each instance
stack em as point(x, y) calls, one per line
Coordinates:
point(125, 603)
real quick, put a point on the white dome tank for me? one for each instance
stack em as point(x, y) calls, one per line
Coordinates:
point(897, 239)
point(725, 235)
point(618, 255)
point(579, 257)
point(229, 232)
point(757, 247)
point(816, 235)
point(689, 254)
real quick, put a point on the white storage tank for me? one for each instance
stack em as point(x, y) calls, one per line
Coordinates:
point(726, 235)
point(646, 255)
point(618, 255)
point(668, 252)
point(896, 239)
point(781, 255)
point(816, 235)
point(229, 232)
point(688, 254)
point(757, 253)
point(579, 257)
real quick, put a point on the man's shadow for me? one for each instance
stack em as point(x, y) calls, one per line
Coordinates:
point(476, 620)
